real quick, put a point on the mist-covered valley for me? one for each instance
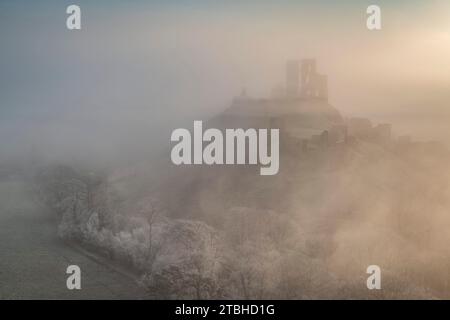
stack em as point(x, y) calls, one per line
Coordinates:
point(85, 169)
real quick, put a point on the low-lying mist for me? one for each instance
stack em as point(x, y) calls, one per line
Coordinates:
point(90, 114)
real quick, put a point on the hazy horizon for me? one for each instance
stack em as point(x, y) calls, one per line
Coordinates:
point(136, 70)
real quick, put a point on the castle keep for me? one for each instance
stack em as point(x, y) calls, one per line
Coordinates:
point(300, 109)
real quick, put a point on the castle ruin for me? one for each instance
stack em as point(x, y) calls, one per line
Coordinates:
point(304, 82)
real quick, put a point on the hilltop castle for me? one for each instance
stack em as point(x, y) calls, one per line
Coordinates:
point(300, 109)
point(301, 102)
point(302, 82)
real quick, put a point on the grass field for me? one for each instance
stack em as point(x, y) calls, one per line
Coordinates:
point(33, 260)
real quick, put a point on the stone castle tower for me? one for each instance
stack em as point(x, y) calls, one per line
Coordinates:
point(303, 81)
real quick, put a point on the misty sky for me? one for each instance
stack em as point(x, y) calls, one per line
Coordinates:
point(139, 67)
